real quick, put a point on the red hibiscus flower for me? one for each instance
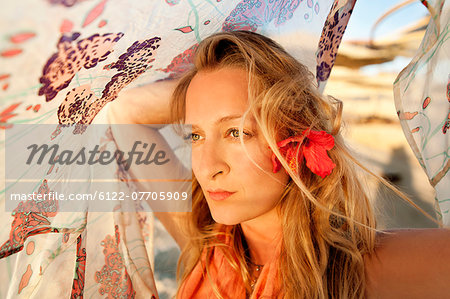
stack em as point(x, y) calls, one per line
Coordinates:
point(313, 149)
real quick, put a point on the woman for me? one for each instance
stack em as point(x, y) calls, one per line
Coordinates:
point(278, 208)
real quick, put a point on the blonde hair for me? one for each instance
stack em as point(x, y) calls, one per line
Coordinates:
point(328, 223)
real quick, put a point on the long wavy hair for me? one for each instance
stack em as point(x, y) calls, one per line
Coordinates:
point(328, 224)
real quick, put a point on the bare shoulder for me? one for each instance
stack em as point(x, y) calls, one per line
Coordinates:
point(410, 263)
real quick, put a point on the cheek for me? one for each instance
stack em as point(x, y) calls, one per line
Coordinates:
point(271, 182)
point(262, 156)
point(194, 160)
point(195, 164)
point(261, 174)
point(266, 163)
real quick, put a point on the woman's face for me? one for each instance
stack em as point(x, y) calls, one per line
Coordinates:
point(236, 189)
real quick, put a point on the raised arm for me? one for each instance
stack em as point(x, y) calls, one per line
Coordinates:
point(148, 104)
point(413, 263)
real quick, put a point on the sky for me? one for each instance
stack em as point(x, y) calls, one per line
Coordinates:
point(367, 12)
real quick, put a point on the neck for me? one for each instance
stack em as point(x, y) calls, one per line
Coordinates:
point(261, 235)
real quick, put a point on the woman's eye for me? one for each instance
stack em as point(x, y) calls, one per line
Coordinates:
point(195, 137)
point(192, 137)
point(235, 133)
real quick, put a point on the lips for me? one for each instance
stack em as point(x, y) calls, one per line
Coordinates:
point(219, 194)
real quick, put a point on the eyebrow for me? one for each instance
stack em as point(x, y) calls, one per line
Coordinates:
point(222, 119)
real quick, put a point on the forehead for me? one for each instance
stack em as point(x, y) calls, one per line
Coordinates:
point(215, 94)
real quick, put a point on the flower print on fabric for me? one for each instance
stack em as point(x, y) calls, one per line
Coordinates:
point(113, 277)
point(66, 3)
point(73, 55)
point(30, 218)
point(130, 65)
point(6, 114)
point(80, 268)
point(251, 14)
point(81, 105)
point(181, 62)
point(332, 33)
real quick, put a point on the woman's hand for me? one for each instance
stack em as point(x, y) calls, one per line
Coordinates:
point(148, 104)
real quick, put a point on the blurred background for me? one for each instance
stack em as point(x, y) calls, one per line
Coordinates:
point(380, 40)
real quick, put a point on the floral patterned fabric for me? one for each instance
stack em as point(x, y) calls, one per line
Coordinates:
point(61, 62)
point(422, 99)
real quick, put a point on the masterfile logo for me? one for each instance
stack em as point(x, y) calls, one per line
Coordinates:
point(100, 168)
point(93, 156)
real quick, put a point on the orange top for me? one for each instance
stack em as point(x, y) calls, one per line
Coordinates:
point(229, 281)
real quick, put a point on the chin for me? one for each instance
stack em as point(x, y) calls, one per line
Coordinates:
point(223, 218)
point(226, 221)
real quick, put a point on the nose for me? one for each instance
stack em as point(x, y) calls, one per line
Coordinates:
point(209, 160)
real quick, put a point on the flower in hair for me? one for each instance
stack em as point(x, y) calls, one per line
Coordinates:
point(313, 146)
